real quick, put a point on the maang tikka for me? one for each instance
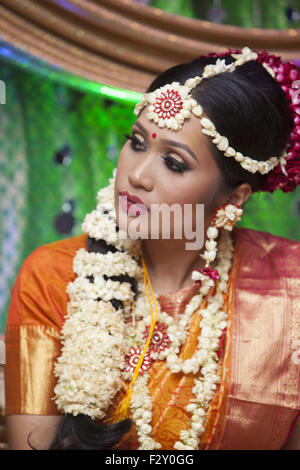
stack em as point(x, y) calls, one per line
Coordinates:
point(171, 104)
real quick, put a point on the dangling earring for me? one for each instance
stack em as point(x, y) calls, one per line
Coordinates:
point(224, 218)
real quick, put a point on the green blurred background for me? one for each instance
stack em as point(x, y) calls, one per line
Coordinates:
point(44, 119)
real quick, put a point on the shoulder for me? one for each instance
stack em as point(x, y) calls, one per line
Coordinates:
point(268, 273)
point(52, 254)
point(39, 292)
point(269, 262)
point(265, 243)
point(53, 261)
point(266, 319)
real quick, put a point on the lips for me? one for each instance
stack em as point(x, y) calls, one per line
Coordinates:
point(132, 204)
point(132, 198)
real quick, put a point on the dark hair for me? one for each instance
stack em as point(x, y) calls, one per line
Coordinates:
point(248, 106)
point(82, 433)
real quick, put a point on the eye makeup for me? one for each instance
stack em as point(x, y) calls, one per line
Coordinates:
point(168, 142)
point(171, 163)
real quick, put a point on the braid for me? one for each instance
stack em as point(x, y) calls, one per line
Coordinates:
point(81, 432)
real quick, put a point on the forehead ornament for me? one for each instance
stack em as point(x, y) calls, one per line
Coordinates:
point(170, 105)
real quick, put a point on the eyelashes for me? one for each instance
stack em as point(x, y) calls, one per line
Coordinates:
point(171, 163)
point(135, 142)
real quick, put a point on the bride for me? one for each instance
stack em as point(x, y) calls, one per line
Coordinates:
point(120, 339)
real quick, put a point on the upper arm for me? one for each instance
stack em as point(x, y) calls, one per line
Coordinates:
point(39, 430)
point(32, 337)
point(36, 312)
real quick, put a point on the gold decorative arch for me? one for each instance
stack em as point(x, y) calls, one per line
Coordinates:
point(122, 43)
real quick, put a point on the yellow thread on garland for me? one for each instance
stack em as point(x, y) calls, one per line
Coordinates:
point(122, 411)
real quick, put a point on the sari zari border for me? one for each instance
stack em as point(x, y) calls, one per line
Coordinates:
point(32, 350)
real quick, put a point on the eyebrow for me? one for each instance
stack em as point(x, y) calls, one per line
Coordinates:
point(169, 142)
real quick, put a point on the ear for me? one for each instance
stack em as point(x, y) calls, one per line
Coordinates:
point(240, 195)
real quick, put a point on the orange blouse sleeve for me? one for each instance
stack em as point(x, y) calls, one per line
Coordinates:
point(35, 317)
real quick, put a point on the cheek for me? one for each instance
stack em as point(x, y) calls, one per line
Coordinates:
point(191, 188)
point(122, 159)
point(122, 167)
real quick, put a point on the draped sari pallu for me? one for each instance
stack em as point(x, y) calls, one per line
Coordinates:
point(258, 399)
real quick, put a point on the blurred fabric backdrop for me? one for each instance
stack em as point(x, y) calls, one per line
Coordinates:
point(59, 145)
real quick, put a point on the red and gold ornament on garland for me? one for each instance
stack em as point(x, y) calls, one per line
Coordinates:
point(133, 357)
point(160, 341)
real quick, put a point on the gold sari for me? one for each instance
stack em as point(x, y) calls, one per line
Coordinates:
point(257, 402)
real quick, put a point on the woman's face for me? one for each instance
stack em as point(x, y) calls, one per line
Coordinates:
point(161, 166)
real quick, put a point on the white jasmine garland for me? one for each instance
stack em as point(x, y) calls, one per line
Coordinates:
point(82, 288)
point(205, 357)
point(110, 264)
point(96, 337)
point(141, 407)
point(98, 330)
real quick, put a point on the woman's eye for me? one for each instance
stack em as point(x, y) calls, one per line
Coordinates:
point(136, 142)
point(172, 163)
point(175, 165)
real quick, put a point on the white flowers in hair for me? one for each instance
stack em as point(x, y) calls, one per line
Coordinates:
point(89, 368)
point(96, 337)
point(249, 164)
point(170, 105)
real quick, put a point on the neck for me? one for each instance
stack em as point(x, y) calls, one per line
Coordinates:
point(170, 265)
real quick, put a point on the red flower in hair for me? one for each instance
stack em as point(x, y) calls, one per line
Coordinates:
point(286, 74)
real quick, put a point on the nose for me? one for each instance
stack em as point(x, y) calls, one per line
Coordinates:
point(140, 176)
